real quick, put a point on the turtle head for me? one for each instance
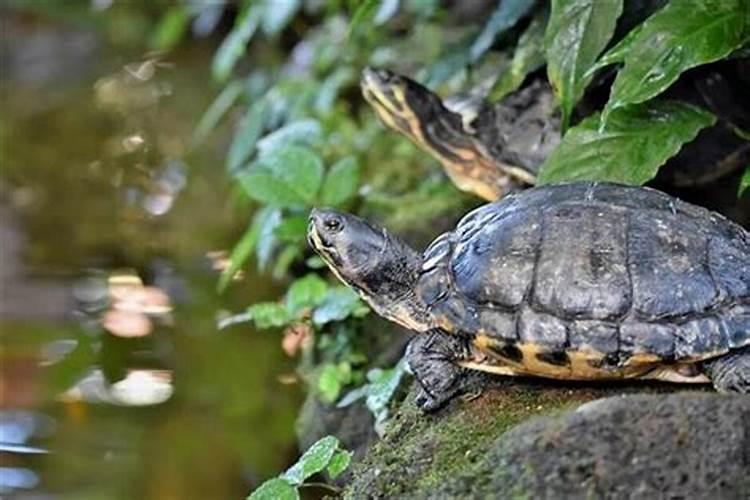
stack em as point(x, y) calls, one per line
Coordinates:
point(378, 265)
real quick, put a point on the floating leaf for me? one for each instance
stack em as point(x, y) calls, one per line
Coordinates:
point(506, 15)
point(305, 132)
point(247, 134)
point(339, 463)
point(269, 314)
point(339, 303)
point(528, 57)
point(314, 460)
point(217, 110)
point(275, 489)
point(235, 43)
point(682, 35)
point(341, 182)
point(577, 32)
point(744, 182)
point(637, 140)
point(277, 14)
point(305, 293)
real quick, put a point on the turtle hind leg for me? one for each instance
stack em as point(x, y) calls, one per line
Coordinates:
point(731, 372)
point(432, 357)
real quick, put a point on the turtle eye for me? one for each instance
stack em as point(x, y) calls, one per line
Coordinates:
point(333, 225)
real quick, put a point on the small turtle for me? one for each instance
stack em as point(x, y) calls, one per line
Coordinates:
point(492, 149)
point(579, 281)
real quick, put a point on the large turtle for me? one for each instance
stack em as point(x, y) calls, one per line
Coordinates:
point(573, 281)
point(492, 149)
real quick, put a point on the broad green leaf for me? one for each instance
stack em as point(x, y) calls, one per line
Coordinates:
point(263, 185)
point(171, 28)
point(292, 229)
point(277, 14)
point(275, 489)
point(298, 167)
point(341, 183)
point(506, 15)
point(305, 132)
point(247, 134)
point(577, 32)
point(339, 303)
point(682, 35)
point(269, 314)
point(382, 390)
point(305, 293)
point(637, 140)
point(617, 53)
point(234, 45)
point(314, 460)
point(242, 250)
point(744, 182)
point(329, 383)
point(339, 463)
point(528, 57)
point(217, 110)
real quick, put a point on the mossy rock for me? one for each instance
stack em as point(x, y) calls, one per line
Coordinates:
point(494, 445)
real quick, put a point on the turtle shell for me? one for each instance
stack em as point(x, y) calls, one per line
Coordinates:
point(577, 280)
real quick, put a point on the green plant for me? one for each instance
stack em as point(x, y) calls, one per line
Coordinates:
point(324, 455)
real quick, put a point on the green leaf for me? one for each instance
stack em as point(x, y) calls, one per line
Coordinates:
point(299, 168)
point(339, 463)
point(305, 293)
point(682, 35)
point(362, 18)
point(617, 53)
point(744, 182)
point(339, 303)
point(341, 182)
point(263, 185)
point(171, 28)
point(275, 489)
point(242, 250)
point(234, 45)
point(305, 132)
point(577, 32)
point(247, 134)
point(329, 385)
point(314, 460)
point(267, 241)
point(507, 14)
point(528, 57)
point(217, 110)
point(269, 315)
point(382, 391)
point(637, 140)
point(289, 254)
point(277, 14)
point(292, 229)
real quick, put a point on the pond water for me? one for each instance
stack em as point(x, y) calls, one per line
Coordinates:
point(115, 381)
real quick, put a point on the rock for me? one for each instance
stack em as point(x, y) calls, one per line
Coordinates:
point(681, 445)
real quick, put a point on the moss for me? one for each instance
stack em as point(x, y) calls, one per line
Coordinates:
point(421, 452)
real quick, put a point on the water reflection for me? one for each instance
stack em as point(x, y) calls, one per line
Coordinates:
point(114, 381)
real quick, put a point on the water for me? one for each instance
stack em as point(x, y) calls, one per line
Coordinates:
point(115, 382)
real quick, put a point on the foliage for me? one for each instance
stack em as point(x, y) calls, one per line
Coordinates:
point(324, 455)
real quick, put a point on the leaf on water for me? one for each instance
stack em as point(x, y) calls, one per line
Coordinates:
point(339, 303)
point(314, 460)
point(247, 134)
point(682, 35)
point(306, 292)
point(217, 110)
point(506, 15)
point(269, 315)
point(339, 463)
point(275, 489)
point(577, 32)
point(637, 140)
point(341, 182)
point(242, 250)
point(277, 14)
point(234, 45)
point(171, 28)
point(528, 57)
point(306, 132)
point(744, 182)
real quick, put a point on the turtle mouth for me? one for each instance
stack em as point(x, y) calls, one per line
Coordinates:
point(322, 245)
point(378, 89)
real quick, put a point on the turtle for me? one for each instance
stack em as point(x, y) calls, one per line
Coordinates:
point(572, 281)
point(492, 149)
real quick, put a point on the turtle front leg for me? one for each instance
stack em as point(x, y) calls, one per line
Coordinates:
point(731, 372)
point(432, 358)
